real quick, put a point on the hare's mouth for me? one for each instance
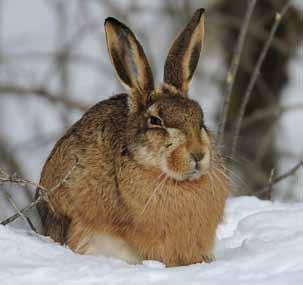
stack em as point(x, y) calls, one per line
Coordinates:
point(187, 169)
point(190, 175)
point(194, 175)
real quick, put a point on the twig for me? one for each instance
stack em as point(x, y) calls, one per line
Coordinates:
point(75, 57)
point(22, 211)
point(26, 219)
point(6, 178)
point(43, 196)
point(270, 183)
point(288, 173)
point(274, 111)
point(8, 158)
point(6, 89)
point(280, 178)
point(254, 29)
point(255, 75)
point(232, 72)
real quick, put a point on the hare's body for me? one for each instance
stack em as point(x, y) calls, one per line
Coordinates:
point(136, 177)
point(177, 223)
point(108, 194)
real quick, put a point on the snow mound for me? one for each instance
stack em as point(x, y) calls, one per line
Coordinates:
point(259, 242)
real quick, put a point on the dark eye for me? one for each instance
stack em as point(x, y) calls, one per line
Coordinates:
point(154, 121)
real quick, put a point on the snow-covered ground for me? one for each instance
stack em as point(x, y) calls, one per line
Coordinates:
point(259, 242)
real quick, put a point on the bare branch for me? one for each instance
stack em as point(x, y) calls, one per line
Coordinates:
point(22, 211)
point(232, 72)
point(255, 75)
point(42, 93)
point(6, 178)
point(280, 178)
point(254, 29)
point(275, 111)
point(288, 173)
point(26, 219)
point(43, 196)
point(270, 184)
point(45, 56)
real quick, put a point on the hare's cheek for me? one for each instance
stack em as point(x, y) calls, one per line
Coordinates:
point(205, 162)
point(155, 139)
point(149, 148)
point(178, 160)
point(174, 139)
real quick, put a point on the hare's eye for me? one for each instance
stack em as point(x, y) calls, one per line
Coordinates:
point(154, 121)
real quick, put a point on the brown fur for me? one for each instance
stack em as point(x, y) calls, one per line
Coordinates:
point(135, 184)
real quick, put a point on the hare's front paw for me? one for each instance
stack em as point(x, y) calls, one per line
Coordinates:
point(111, 246)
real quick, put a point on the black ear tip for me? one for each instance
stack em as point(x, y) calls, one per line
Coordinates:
point(196, 18)
point(200, 12)
point(111, 20)
point(117, 25)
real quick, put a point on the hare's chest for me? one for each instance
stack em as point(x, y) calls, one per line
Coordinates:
point(172, 222)
point(174, 239)
point(171, 229)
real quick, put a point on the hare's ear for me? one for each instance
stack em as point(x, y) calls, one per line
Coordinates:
point(184, 54)
point(130, 62)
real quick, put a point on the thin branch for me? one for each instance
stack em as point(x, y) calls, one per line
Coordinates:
point(288, 173)
point(26, 219)
point(43, 196)
point(255, 75)
point(44, 56)
point(270, 184)
point(6, 89)
point(22, 211)
point(6, 178)
point(280, 178)
point(275, 111)
point(232, 72)
point(254, 29)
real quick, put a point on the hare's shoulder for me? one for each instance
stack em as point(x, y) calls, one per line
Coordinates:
point(104, 123)
point(108, 116)
point(107, 119)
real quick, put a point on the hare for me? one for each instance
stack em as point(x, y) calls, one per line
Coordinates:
point(148, 182)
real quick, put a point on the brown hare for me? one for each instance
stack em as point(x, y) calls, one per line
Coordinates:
point(148, 183)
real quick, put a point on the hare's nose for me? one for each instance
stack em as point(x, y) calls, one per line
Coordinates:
point(197, 157)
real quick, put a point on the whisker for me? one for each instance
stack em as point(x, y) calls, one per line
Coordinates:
point(230, 175)
point(164, 193)
point(155, 191)
point(231, 180)
point(211, 180)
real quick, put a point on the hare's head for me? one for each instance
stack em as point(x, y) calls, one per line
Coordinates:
point(165, 129)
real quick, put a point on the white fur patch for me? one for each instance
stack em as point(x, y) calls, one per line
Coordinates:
point(145, 155)
point(107, 245)
point(176, 137)
point(205, 162)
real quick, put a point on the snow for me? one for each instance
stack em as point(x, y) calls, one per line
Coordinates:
point(259, 242)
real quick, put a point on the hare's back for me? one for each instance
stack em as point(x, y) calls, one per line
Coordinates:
point(98, 135)
point(83, 160)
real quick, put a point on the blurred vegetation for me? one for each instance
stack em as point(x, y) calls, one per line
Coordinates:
point(77, 21)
